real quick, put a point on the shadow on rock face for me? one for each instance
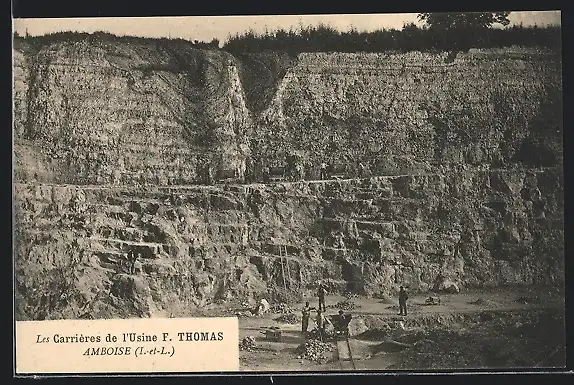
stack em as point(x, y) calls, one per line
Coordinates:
point(134, 292)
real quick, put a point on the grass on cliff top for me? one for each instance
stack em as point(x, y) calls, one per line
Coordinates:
point(67, 36)
point(327, 39)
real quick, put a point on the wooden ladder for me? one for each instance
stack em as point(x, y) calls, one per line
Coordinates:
point(284, 261)
point(282, 267)
point(287, 263)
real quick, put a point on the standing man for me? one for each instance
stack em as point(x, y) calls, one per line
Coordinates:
point(403, 301)
point(321, 292)
point(299, 171)
point(129, 260)
point(306, 312)
point(137, 266)
point(339, 241)
point(322, 323)
point(209, 174)
point(134, 260)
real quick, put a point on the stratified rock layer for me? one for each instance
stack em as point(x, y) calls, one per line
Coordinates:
point(95, 111)
point(101, 111)
point(407, 113)
point(202, 244)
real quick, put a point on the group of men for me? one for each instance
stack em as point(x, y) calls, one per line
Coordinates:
point(341, 321)
point(132, 261)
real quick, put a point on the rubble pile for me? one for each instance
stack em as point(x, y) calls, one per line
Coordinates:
point(385, 299)
point(315, 350)
point(314, 334)
point(281, 308)
point(511, 339)
point(411, 306)
point(288, 318)
point(247, 343)
point(432, 301)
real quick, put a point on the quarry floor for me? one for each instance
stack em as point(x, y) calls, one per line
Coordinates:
point(450, 326)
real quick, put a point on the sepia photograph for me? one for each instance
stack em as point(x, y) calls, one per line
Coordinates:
point(362, 192)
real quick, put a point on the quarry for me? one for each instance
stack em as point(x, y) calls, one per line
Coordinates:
point(444, 176)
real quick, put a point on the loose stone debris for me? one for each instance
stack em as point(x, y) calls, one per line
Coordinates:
point(346, 304)
point(247, 343)
point(281, 308)
point(288, 318)
point(315, 350)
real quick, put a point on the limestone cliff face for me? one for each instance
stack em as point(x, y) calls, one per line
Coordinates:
point(112, 137)
point(158, 113)
point(103, 112)
point(403, 113)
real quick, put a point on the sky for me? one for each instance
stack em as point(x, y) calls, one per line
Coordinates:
point(207, 28)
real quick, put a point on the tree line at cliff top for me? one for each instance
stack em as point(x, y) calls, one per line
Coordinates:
point(453, 31)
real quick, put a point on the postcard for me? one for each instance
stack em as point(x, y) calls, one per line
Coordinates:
point(296, 193)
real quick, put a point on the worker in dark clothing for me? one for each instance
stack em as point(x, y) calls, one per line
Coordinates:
point(255, 202)
point(321, 292)
point(403, 297)
point(306, 312)
point(342, 322)
point(130, 260)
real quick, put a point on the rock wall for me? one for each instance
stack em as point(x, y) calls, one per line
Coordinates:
point(96, 111)
point(113, 137)
point(472, 227)
point(407, 112)
point(158, 112)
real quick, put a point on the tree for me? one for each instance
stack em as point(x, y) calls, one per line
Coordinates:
point(461, 30)
point(477, 20)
